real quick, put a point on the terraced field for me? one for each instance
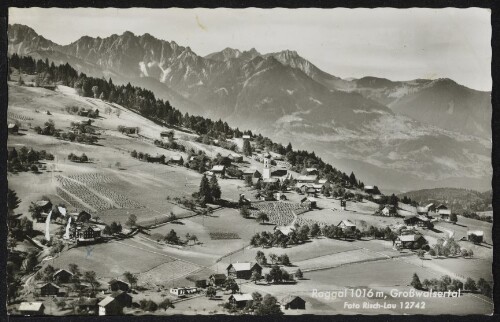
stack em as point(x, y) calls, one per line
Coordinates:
point(83, 193)
point(279, 213)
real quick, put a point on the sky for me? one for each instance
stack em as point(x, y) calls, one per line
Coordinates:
point(398, 44)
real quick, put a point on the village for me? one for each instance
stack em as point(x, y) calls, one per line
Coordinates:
point(117, 214)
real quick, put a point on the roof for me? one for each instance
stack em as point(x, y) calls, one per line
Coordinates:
point(422, 209)
point(311, 199)
point(242, 297)
point(30, 306)
point(176, 157)
point(218, 168)
point(347, 223)
point(47, 284)
point(62, 270)
point(250, 171)
point(429, 205)
point(369, 187)
point(288, 299)
point(218, 276)
point(444, 212)
point(475, 232)
point(11, 125)
point(246, 136)
point(422, 218)
point(106, 301)
point(62, 210)
point(87, 301)
point(307, 178)
point(242, 266)
point(408, 238)
point(114, 281)
point(42, 203)
point(311, 169)
point(322, 181)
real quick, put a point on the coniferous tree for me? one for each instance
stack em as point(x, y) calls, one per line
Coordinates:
point(204, 192)
point(215, 191)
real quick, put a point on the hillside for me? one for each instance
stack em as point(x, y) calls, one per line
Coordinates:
point(459, 200)
point(435, 132)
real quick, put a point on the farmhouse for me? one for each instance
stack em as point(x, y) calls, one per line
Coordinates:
point(31, 308)
point(430, 207)
point(177, 159)
point(157, 159)
point(13, 128)
point(240, 300)
point(87, 233)
point(81, 216)
point(118, 285)
point(417, 220)
point(110, 306)
point(292, 302)
point(122, 297)
point(243, 270)
point(444, 214)
point(130, 130)
point(312, 171)
point(219, 170)
point(311, 192)
point(413, 241)
point(347, 226)
point(475, 236)
point(49, 289)
point(217, 279)
point(63, 276)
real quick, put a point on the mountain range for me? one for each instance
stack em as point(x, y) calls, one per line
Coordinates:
point(431, 133)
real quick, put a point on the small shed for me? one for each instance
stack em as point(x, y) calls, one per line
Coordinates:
point(31, 308)
point(292, 302)
point(475, 236)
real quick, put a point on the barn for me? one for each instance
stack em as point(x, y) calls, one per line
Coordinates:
point(413, 241)
point(63, 276)
point(243, 270)
point(118, 285)
point(219, 170)
point(347, 226)
point(31, 308)
point(49, 289)
point(475, 236)
point(217, 279)
point(240, 300)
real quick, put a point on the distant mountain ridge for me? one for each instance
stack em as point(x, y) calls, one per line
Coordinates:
point(374, 124)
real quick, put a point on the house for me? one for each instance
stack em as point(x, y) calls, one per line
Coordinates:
point(246, 137)
point(130, 130)
point(417, 220)
point(370, 189)
point(234, 157)
point(157, 159)
point(13, 128)
point(44, 205)
point(285, 230)
point(240, 300)
point(219, 170)
point(430, 207)
point(292, 302)
point(283, 164)
point(176, 159)
point(252, 173)
point(444, 214)
point(63, 276)
point(312, 202)
point(387, 211)
point(81, 216)
point(217, 279)
point(110, 306)
point(475, 236)
point(347, 226)
point(122, 297)
point(49, 289)
point(279, 172)
point(243, 270)
point(181, 291)
point(413, 241)
point(118, 285)
point(31, 308)
point(166, 134)
point(87, 233)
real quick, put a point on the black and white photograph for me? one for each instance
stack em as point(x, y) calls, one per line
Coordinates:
point(251, 161)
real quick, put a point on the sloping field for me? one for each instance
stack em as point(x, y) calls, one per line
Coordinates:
point(166, 272)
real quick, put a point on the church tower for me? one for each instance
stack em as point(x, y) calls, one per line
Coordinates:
point(266, 174)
